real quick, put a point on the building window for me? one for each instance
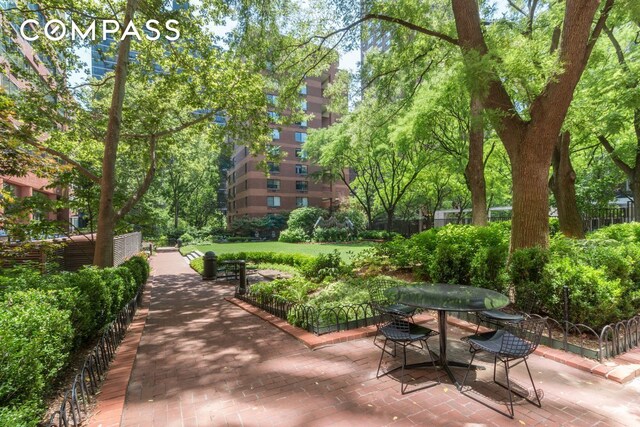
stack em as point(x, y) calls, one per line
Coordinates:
point(302, 186)
point(275, 134)
point(274, 150)
point(301, 137)
point(273, 201)
point(273, 167)
point(301, 169)
point(273, 184)
point(302, 123)
point(303, 105)
point(303, 90)
point(273, 116)
point(272, 100)
point(301, 154)
point(302, 202)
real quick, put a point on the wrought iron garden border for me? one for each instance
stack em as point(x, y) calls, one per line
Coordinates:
point(612, 340)
point(84, 387)
point(310, 318)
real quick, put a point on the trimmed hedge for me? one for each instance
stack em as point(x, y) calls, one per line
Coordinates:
point(313, 268)
point(44, 318)
point(602, 271)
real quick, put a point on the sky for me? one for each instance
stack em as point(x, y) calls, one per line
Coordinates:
point(349, 60)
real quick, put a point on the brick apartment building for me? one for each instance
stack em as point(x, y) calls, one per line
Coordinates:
point(18, 53)
point(289, 185)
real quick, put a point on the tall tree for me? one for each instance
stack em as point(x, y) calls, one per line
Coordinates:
point(387, 156)
point(562, 184)
point(528, 117)
point(133, 114)
point(612, 87)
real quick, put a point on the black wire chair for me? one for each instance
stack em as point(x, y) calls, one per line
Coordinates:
point(377, 288)
point(400, 331)
point(514, 342)
point(497, 318)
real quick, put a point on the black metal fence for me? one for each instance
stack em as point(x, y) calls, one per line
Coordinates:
point(84, 387)
point(614, 339)
point(312, 319)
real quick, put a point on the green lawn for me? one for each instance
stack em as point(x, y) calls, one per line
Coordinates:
point(347, 250)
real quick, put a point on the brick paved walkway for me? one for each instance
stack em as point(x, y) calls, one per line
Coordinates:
point(205, 362)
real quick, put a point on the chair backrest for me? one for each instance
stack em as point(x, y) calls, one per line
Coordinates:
point(386, 318)
point(376, 290)
point(523, 338)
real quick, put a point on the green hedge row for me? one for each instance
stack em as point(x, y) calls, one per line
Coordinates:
point(602, 272)
point(44, 318)
point(314, 268)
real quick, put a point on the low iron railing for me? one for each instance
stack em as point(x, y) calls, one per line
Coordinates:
point(312, 319)
point(85, 384)
point(612, 340)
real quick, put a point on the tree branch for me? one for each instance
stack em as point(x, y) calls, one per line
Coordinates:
point(146, 183)
point(598, 28)
point(614, 156)
point(171, 131)
point(81, 169)
point(411, 26)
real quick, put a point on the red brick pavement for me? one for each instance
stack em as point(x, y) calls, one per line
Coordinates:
point(205, 362)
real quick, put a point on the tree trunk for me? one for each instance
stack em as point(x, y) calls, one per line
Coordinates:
point(562, 184)
point(530, 143)
point(103, 255)
point(635, 189)
point(474, 172)
point(530, 214)
point(369, 220)
point(389, 220)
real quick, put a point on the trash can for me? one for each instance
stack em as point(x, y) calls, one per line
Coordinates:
point(210, 266)
point(242, 276)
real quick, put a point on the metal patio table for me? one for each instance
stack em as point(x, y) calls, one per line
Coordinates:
point(443, 298)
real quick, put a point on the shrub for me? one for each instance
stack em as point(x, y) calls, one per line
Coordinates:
point(377, 235)
point(627, 232)
point(26, 414)
point(331, 234)
point(593, 299)
point(455, 248)
point(42, 317)
point(295, 290)
point(292, 235)
point(295, 260)
point(35, 338)
point(355, 216)
point(323, 266)
point(139, 268)
point(305, 218)
point(526, 273)
point(238, 239)
point(94, 301)
point(186, 238)
point(197, 264)
point(488, 268)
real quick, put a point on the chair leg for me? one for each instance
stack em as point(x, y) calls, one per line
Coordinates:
point(533, 385)
point(464, 380)
point(381, 354)
point(433, 361)
point(506, 368)
point(404, 363)
point(495, 362)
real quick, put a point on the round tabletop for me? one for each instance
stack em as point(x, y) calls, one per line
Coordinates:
point(447, 297)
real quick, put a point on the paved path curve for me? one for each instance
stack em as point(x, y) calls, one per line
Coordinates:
point(205, 362)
